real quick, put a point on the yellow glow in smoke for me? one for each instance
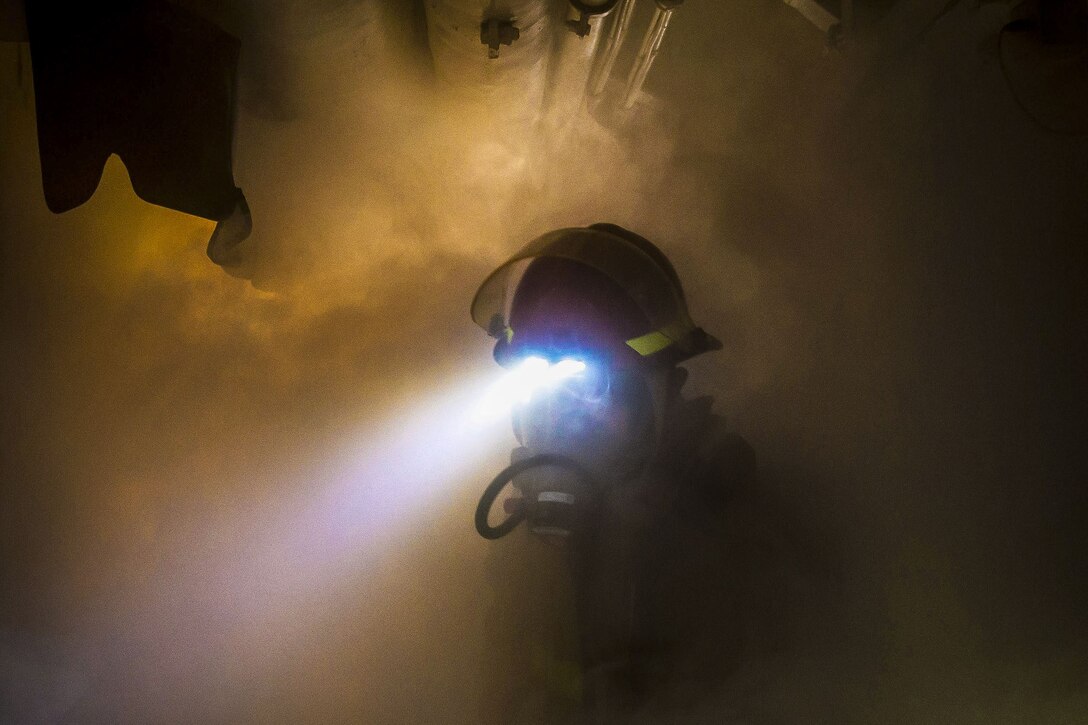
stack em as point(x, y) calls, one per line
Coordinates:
point(144, 238)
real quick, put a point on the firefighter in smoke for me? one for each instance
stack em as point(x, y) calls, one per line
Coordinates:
point(674, 567)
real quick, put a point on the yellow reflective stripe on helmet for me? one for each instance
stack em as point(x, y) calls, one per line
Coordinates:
point(649, 343)
point(509, 333)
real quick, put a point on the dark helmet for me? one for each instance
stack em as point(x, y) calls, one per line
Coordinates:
point(600, 289)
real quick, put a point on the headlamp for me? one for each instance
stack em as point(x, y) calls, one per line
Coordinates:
point(526, 379)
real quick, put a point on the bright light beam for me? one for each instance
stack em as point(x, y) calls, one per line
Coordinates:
point(292, 558)
point(380, 484)
point(521, 383)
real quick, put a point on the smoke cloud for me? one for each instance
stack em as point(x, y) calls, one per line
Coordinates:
point(250, 501)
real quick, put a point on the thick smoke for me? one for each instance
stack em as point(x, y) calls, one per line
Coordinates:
point(201, 517)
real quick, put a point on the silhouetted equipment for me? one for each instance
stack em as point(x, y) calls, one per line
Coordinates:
point(152, 83)
point(585, 10)
point(1043, 53)
point(495, 33)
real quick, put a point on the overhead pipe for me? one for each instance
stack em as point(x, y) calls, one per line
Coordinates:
point(816, 14)
point(576, 48)
point(582, 11)
point(617, 35)
point(492, 55)
point(651, 44)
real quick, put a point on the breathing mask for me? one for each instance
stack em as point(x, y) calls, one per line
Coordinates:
point(583, 427)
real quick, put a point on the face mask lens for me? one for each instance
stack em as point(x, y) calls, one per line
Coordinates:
point(590, 387)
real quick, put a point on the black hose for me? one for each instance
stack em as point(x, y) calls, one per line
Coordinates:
point(507, 475)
